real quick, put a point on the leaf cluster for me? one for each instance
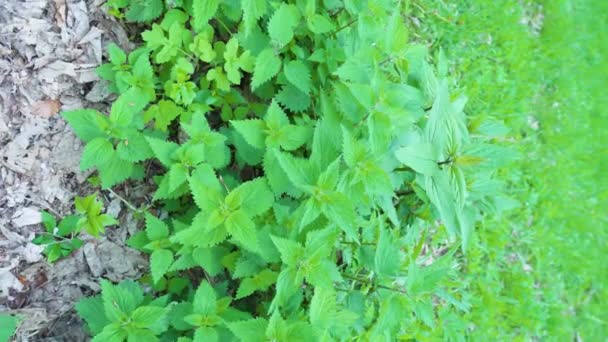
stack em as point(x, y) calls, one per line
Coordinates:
point(303, 154)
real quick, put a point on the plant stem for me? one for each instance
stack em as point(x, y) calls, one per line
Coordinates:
point(127, 203)
point(345, 26)
point(369, 282)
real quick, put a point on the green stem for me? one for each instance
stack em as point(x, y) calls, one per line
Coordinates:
point(369, 282)
point(345, 26)
point(127, 203)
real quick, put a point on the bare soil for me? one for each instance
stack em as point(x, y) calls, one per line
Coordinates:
point(48, 54)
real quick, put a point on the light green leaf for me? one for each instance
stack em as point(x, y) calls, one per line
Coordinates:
point(160, 261)
point(297, 73)
point(88, 124)
point(422, 157)
point(205, 299)
point(340, 210)
point(148, 316)
point(155, 228)
point(96, 152)
point(253, 131)
point(282, 24)
point(111, 333)
point(202, 11)
point(259, 282)
point(291, 251)
point(254, 196)
point(387, 260)
point(252, 11)
point(242, 229)
point(320, 24)
point(253, 330)
point(91, 310)
point(163, 150)
point(267, 65)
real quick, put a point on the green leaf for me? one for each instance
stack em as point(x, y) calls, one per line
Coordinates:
point(387, 260)
point(163, 113)
point(163, 150)
point(277, 179)
point(291, 251)
point(293, 98)
point(178, 175)
point(253, 131)
point(96, 152)
point(49, 221)
point(322, 308)
point(282, 24)
point(111, 333)
point(242, 229)
point(120, 300)
point(116, 55)
point(114, 171)
point(297, 73)
point(267, 65)
point(259, 282)
point(206, 188)
point(254, 196)
point(160, 261)
point(296, 170)
point(144, 10)
point(149, 316)
point(422, 157)
point(155, 228)
point(252, 11)
point(320, 24)
point(88, 124)
point(91, 310)
point(253, 330)
point(202, 11)
point(341, 211)
point(205, 334)
point(210, 258)
point(134, 148)
point(205, 299)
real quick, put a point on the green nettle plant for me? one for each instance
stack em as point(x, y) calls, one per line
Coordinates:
point(60, 239)
point(302, 153)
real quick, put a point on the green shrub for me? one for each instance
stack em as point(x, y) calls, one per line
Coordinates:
point(311, 174)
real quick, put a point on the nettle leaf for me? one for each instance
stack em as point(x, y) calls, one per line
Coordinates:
point(259, 282)
point(293, 98)
point(252, 330)
point(91, 310)
point(155, 228)
point(267, 65)
point(298, 74)
point(387, 260)
point(160, 261)
point(98, 151)
point(205, 300)
point(422, 157)
point(144, 10)
point(252, 11)
point(252, 130)
point(88, 124)
point(202, 11)
point(282, 24)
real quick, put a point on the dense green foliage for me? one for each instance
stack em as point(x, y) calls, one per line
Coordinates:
point(311, 174)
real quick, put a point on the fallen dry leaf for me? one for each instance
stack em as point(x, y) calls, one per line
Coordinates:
point(46, 108)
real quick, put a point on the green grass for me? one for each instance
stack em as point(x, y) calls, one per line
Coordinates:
point(538, 272)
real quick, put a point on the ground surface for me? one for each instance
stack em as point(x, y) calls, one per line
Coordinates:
point(48, 53)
